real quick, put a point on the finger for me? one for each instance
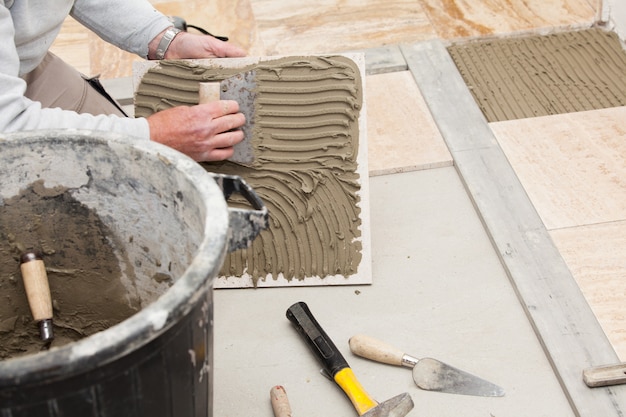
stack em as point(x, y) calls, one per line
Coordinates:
point(221, 108)
point(219, 154)
point(233, 51)
point(226, 139)
point(228, 122)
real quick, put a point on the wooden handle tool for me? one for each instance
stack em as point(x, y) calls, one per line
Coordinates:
point(602, 376)
point(280, 402)
point(38, 292)
point(241, 88)
point(428, 373)
point(208, 92)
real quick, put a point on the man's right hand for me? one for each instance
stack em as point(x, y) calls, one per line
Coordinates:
point(205, 132)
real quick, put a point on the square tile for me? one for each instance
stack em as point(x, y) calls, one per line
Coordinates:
point(467, 18)
point(293, 27)
point(573, 166)
point(401, 132)
point(595, 255)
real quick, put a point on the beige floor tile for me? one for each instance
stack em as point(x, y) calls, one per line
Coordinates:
point(294, 27)
point(573, 166)
point(467, 18)
point(595, 255)
point(401, 133)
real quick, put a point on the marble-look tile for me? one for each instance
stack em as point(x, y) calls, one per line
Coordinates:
point(270, 27)
point(454, 19)
point(595, 255)
point(573, 166)
point(294, 27)
point(401, 133)
point(233, 19)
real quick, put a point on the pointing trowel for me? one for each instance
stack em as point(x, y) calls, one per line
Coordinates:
point(242, 89)
point(428, 374)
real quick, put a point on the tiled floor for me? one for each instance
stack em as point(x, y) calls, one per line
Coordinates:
point(572, 166)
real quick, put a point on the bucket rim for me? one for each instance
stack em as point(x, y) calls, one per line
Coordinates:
point(156, 318)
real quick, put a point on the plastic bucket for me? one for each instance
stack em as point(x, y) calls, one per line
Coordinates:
point(172, 219)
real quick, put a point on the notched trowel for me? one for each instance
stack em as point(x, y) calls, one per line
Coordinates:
point(241, 88)
point(429, 374)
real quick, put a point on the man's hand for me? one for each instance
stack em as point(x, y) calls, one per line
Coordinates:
point(203, 132)
point(196, 46)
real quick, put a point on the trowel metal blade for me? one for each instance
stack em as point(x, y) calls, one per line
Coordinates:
point(433, 375)
point(398, 406)
point(242, 88)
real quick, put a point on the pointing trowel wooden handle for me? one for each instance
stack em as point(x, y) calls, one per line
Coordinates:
point(38, 292)
point(376, 350)
point(602, 376)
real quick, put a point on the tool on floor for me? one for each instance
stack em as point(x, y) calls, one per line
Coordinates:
point(38, 294)
point(428, 374)
point(242, 89)
point(602, 376)
point(280, 402)
point(337, 367)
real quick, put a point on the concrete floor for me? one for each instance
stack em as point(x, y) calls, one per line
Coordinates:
point(439, 291)
point(442, 285)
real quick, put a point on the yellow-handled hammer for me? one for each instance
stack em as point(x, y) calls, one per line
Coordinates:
point(337, 367)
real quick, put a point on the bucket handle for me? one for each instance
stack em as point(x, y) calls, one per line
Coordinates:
point(245, 225)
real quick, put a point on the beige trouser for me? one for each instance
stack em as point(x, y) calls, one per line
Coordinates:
point(56, 84)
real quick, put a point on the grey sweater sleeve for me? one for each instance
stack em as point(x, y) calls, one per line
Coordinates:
point(127, 24)
point(18, 113)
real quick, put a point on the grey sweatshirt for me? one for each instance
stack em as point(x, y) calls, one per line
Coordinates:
point(34, 24)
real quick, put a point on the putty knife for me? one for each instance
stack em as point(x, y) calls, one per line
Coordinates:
point(428, 374)
point(242, 89)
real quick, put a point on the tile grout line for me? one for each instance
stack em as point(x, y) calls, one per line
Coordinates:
point(564, 323)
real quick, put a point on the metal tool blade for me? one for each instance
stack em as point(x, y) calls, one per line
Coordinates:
point(433, 375)
point(242, 88)
point(398, 406)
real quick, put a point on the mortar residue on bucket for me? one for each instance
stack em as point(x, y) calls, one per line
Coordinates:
point(144, 218)
point(87, 291)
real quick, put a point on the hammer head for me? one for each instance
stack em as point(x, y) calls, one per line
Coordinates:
point(398, 406)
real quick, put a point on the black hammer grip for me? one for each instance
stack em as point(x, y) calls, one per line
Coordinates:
point(317, 339)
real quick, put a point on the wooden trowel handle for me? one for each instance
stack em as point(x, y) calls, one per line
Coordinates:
point(602, 376)
point(36, 285)
point(376, 350)
point(208, 92)
point(280, 402)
